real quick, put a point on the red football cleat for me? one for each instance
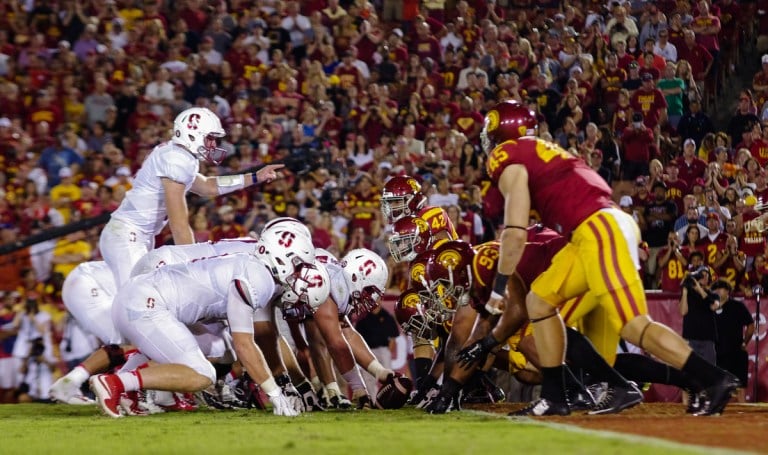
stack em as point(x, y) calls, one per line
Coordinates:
point(107, 388)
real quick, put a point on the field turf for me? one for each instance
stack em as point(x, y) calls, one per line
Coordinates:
point(61, 429)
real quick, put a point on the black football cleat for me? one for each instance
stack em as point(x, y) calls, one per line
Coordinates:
point(617, 399)
point(694, 402)
point(441, 404)
point(715, 398)
point(580, 400)
point(543, 407)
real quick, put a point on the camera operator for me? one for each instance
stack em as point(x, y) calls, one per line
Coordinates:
point(698, 306)
point(735, 328)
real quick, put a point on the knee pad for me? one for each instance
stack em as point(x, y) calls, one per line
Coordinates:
point(116, 355)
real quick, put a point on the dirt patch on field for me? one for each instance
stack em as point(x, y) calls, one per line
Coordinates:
point(742, 427)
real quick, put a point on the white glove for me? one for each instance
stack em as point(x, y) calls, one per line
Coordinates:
point(281, 406)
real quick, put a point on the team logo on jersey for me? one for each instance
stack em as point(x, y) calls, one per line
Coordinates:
point(492, 120)
point(411, 300)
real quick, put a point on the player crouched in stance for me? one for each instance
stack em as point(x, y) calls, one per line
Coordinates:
point(154, 311)
point(358, 281)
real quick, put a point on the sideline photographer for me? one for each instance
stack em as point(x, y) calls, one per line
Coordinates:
point(698, 306)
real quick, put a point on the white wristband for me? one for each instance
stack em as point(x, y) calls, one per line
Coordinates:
point(270, 387)
point(496, 295)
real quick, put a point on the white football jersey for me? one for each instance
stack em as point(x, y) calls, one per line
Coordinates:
point(198, 290)
point(339, 289)
point(177, 254)
point(144, 204)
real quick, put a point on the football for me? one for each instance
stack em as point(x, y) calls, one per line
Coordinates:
point(395, 392)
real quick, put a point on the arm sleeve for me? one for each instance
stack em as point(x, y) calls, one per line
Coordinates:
point(178, 167)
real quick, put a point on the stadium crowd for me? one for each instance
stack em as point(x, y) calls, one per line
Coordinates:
point(350, 93)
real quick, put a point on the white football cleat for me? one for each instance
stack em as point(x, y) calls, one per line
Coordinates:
point(64, 390)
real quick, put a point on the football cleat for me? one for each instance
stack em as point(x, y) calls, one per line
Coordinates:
point(580, 399)
point(543, 407)
point(212, 399)
point(309, 397)
point(249, 392)
point(694, 402)
point(64, 390)
point(107, 388)
point(339, 402)
point(229, 397)
point(617, 399)
point(715, 398)
point(173, 401)
point(129, 404)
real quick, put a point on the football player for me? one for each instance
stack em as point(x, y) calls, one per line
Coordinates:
point(357, 283)
point(600, 257)
point(153, 311)
point(160, 187)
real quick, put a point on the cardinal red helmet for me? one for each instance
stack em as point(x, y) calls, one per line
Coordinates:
point(410, 314)
point(507, 120)
point(410, 238)
point(449, 279)
point(401, 196)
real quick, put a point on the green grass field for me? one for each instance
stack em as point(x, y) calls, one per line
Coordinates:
point(38, 428)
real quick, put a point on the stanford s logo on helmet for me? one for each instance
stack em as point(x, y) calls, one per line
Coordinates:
point(199, 131)
point(506, 121)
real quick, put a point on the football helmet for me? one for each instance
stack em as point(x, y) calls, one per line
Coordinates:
point(284, 249)
point(448, 277)
point(199, 130)
point(411, 236)
point(306, 290)
point(507, 120)
point(283, 221)
point(401, 196)
point(367, 275)
point(410, 315)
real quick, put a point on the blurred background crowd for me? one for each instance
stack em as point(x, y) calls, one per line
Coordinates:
point(654, 95)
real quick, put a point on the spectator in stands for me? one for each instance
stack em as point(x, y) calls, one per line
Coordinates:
point(673, 89)
point(639, 145)
point(649, 101)
point(227, 228)
point(697, 56)
point(660, 214)
point(65, 194)
point(695, 124)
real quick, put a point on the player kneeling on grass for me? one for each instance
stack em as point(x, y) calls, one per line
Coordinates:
point(153, 311)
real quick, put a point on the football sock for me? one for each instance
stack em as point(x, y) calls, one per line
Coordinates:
point(553, 383)
point(581, 353)
point(641, 368)
point(79, 375)
point(131, 380)
point(700, 371)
